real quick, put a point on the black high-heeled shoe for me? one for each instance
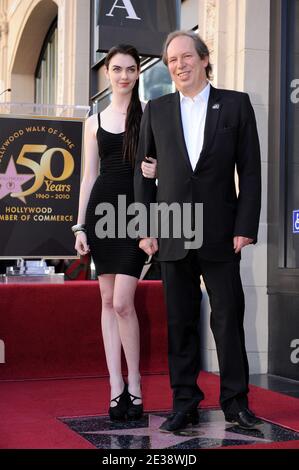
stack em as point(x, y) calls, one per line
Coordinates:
point(134, 411)
point(118, 412)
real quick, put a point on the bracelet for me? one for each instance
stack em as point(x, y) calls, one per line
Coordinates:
point(79, 231)
point(77, 227)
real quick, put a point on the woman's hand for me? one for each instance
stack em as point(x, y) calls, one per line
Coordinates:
point(81, 244)
point(149, 168)
point(149, 245)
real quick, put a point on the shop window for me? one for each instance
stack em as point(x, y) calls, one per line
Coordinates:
point(155, 81)
point(46, 71)
point(290, 155)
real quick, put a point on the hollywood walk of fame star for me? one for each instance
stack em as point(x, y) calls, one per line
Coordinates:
point(11, 181)
point(159, 440)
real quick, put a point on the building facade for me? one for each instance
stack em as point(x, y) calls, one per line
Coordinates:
point(44, 50)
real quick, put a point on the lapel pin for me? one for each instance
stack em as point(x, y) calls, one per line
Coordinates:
point(216, 106)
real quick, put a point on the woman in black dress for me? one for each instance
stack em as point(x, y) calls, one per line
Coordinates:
point(111, 140)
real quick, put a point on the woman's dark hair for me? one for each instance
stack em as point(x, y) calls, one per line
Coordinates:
point(134, 112)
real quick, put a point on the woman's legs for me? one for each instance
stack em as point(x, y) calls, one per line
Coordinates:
point(123, 304)
point(111, 337)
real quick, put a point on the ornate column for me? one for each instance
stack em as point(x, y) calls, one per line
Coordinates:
point(73, 52)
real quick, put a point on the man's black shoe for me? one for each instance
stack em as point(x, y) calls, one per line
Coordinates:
point(245, 419)
point(179, 420)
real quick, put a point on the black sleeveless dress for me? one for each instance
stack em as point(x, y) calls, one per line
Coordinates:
point(112, 255)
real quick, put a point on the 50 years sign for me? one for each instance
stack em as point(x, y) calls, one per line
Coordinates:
point(40, 167)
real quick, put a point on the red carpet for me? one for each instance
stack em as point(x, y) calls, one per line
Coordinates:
point(53, 332)
point(29, 409)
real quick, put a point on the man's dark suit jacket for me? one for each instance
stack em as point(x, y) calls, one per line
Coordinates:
point(230, 141)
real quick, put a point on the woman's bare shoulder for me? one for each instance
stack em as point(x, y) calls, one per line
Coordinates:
point(92, 119)
point(91, 123)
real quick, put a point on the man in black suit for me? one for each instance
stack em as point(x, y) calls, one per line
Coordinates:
point(199, 136)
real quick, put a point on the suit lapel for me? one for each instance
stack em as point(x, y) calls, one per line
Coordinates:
point(178, 128)
point(213, 113)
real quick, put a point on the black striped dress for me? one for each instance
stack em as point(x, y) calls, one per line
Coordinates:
point(112, 255)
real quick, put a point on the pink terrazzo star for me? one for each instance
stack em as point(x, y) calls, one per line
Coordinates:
point(11, 181)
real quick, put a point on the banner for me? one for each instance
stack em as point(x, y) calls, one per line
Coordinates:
point(40, 167)
point(144, 24)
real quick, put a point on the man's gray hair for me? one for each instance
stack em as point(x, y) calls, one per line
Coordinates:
point(200, 46)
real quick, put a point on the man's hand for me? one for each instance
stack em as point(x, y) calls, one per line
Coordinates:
point(240, 242)
point(149, 245)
